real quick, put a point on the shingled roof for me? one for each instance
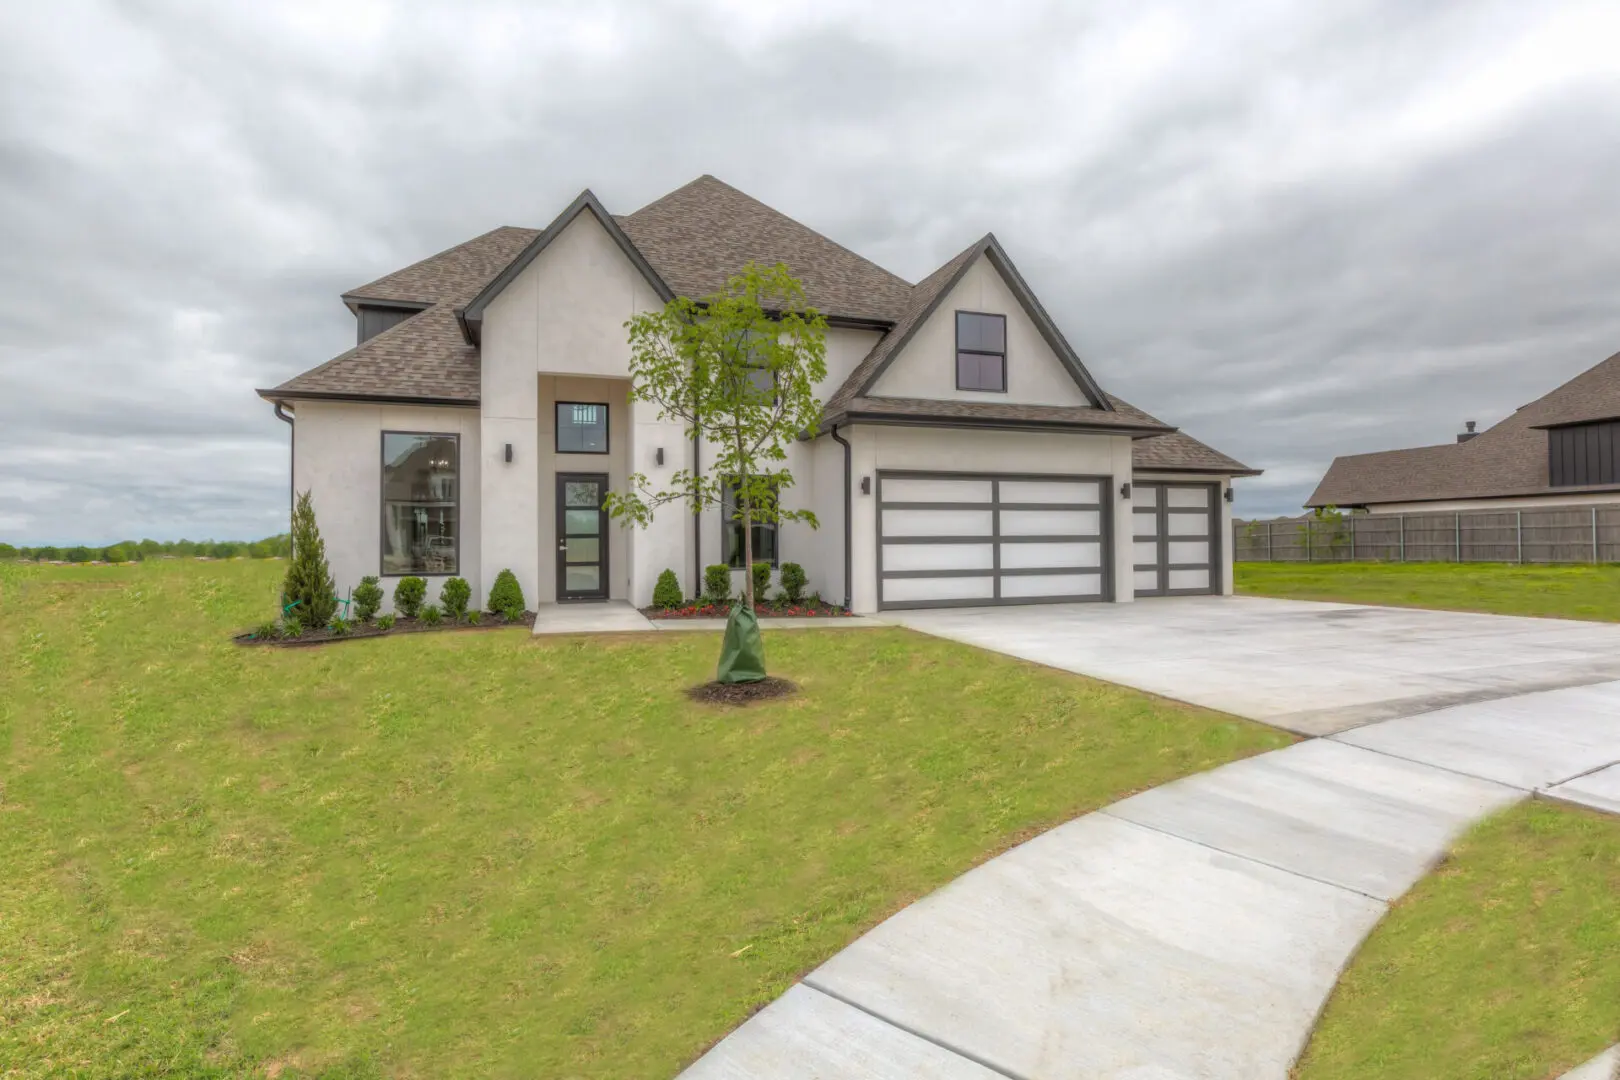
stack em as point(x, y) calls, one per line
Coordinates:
point(692, 240)
point(1509, 459)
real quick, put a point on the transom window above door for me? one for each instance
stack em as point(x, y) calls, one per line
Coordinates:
point(582, 427)
point(981, 351)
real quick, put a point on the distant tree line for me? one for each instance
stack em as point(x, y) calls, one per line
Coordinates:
point(136, 550)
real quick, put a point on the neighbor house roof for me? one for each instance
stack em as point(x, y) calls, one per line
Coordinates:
point(1509, 459)
point(690, 242)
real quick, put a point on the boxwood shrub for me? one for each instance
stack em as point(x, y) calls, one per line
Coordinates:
point(717, 583)
point(455, 595)
point(408, 596)
point(793, 582)
point(368, 598)
point(667, 593)
point(506, 596)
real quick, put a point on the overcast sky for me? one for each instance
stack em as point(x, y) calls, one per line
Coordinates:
point(1293, 229)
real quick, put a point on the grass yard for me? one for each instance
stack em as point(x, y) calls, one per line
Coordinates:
point(480, 854)
point(1504, 964)
point(1565, 592)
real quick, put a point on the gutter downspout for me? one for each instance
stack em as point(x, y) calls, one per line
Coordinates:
point(697, 521)
point(292, 465)
point(848, 525)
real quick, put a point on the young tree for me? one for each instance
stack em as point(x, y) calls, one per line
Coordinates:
point(741, 367)
point(309, 578)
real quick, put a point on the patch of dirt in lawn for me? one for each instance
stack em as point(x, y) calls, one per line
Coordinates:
point(717, 693)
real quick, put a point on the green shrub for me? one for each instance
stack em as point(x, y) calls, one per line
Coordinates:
point(309, 579)
point(762, 581)
point(267, 631)
point(717, 583)
point(408, 596)
point(506, 596)
point(115, 554)
point(793, 582)
point(667, 593)
point(431, 615)
point(473, 617)
point(78, 554)
point(341, 626)
point(292, 626)
point(368, 597)
point(455, 595)
point(385, 622)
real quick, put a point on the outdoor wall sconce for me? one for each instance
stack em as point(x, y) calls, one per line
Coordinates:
point(866, 485)
point(509, 452)
point(1125, 490)
point(1228, 495)
point(658, 455)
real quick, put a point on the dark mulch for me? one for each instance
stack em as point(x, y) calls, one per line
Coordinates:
point(370, 630)
point(743, 693)
point(697, 609)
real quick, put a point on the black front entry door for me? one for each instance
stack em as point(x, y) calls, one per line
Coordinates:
point(582, 537)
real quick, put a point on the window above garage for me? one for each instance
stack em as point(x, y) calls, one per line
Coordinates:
point(981, 352)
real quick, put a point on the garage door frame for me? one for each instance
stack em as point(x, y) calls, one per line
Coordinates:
point(1105, 537)
point(1162, 511)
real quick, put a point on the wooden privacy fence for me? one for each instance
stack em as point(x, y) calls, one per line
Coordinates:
point(1586, 534)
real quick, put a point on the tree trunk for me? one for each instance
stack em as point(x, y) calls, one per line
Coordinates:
point(748, 555)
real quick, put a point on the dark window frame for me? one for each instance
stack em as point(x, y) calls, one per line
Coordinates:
point(960, 351)
point(382, 501)
point(731, 547)
point(607, 428)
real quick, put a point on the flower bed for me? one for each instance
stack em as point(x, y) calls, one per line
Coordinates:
point(327, 636)
point(701, 609)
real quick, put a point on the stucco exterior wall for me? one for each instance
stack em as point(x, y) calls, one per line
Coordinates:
point(845, 349)
point(1224, 532)
point(563, 315)
point(337, 450)
point(926, 367)
point(945, 450)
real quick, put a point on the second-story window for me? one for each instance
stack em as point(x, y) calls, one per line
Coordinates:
point(582, 427)
point(981, 351)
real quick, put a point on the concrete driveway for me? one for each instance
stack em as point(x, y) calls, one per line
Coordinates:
point(1312, 668)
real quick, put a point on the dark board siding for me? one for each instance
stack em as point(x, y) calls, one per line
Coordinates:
point(374, 321)
point(1584, 454)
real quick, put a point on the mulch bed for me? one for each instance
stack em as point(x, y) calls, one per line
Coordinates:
point(370, 630)
point(803, 610)
point(744, 693)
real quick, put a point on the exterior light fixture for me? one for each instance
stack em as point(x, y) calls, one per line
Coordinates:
point(1125, 490)
point(866, 485)
point(508, 452)
point(658, 455)
point(1228, 495)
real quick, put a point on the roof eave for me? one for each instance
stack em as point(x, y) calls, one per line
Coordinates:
point(274, 394)
point(1211, 470)
point(999, 423)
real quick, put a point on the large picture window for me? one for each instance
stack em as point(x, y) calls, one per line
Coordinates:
point(421, 498)
point(582, 428)
point(981, 351)
point(732, 537)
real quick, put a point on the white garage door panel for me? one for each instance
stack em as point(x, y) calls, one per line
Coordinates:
point(937, 522)
point(1039, 543)
point(899, 489)
point(1048, 491)
point(1187, 497)
point(1027, 586)
point(1146, 526)
point(1145, 553)
point(1051, 523)
point(1146, 580)
point(941, 588)
point(1189, 579)
point(939, 556)
point(1187, 524)
point(1188, 551)
point(1049, 556)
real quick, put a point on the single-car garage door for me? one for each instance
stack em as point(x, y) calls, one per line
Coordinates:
point(970, 539)
point(1176, 541)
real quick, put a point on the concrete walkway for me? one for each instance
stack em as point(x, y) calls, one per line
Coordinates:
point(1606, 1066)
point(596, 617)
point(1308, 667)
point(1192, 932)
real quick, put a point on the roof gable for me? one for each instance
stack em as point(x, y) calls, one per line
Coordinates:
point(472, 315)
point(926, 298)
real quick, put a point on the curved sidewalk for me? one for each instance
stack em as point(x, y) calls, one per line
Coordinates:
point(1192, 932)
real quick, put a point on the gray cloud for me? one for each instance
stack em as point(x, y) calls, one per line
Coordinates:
point(1295, 230)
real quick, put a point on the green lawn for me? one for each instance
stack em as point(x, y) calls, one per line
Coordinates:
point(477, 854)
point(1566, 592)
point(1502, 965)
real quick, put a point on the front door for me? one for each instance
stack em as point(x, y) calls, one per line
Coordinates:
point(582, 537)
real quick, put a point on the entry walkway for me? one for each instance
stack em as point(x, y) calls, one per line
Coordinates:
point(1191, 932)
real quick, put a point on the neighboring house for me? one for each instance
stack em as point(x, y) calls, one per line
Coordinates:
point(1559, 450)
point(967, 456)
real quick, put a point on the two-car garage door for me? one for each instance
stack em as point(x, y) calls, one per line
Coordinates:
point(968, 539)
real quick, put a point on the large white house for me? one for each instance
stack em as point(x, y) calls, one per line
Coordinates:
point(967, 456)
